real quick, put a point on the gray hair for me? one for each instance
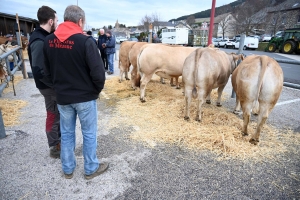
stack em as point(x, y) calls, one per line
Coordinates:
point(74, 13)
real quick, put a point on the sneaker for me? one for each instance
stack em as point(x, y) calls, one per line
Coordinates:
point(102, 168)
point(55, 151)
point(109, 73)
point(69, 176)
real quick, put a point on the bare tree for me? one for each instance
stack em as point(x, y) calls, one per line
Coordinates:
point(226, 25)
point(145, 22)
point(155, 20)
point(190, 20)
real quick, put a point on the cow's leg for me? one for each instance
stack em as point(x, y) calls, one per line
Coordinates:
point(121, 75)
point(208, 101)
point(262, 117)
point(126, 75)
point(201, 98)
point(220, 90)
point(162, 80)
point(177, 83)
point(255, 109)
point(188, 99)
point(237, 106)
point(246, 106)
point(144, 81)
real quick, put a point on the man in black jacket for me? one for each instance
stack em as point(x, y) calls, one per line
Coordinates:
point(48, 22)
point(101, 40)
point(73, 63)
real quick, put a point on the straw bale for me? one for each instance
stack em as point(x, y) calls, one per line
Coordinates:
point(160, 120)
point(11, 111)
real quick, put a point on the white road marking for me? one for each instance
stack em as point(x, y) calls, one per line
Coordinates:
point(287, 102)
point(104, 95)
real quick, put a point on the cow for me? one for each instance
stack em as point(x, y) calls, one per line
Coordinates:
point(124, 62)
point(258, 83)
point(162, 60)
point(203, 70)
point(133, 54)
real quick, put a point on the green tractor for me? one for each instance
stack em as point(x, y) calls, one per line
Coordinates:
point(288, 43)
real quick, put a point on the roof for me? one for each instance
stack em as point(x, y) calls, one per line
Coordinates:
point(286, 5)
point(198, 20)
point(27, 19)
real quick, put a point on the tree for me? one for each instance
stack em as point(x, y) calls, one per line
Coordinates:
point(155, 20)
point(190, 20)
point(145, 22)
point(226, 25)
point(110, 27)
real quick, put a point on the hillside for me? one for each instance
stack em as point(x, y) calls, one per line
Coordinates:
point(231, 7)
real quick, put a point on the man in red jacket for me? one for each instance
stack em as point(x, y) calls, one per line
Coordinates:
point(74, 65)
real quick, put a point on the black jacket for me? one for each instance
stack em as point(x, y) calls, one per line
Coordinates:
point(101, 39)
point(74, 66)
point(36, 58)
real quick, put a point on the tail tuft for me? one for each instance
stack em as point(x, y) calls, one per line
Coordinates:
point(194, 93)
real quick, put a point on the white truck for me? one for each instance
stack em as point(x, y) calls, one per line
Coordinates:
point(249, 43)
point(175, 36)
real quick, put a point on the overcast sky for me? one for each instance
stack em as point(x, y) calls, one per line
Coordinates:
point(101, 13)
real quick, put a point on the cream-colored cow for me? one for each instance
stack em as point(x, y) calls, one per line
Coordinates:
point(133, 54)
point(162, 60)
point(204, 70)
point(258, 82)
point(124, 62)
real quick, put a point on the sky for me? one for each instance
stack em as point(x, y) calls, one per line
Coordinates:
point(101, 13)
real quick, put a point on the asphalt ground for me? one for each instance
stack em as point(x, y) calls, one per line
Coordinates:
point(137, 171)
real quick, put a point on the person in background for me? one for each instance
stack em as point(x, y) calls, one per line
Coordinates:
point(101, 40)
point(10, 40)
point(48, 22)
point(155, 39)
point(109, 48)
point(89, 33)
point(73, 63)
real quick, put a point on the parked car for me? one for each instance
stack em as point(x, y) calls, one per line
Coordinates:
point(222, 43)
point(119, 40)
point(249, 43)
point(216, 41)
point(265, 38)
point(133, 39)
point(229, 44)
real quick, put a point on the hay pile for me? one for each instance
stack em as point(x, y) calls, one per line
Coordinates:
point(11, 111)
point(160, 120)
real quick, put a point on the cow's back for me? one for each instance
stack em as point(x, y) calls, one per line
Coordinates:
point(124, 54)
point(252, 81)
point(163, 59)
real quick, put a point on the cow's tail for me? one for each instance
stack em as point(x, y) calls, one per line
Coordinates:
point(139, 73)
point(264, 65)
point(195, 67)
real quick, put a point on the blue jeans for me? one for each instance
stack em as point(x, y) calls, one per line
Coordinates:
point(87, 114)
point(110, 60)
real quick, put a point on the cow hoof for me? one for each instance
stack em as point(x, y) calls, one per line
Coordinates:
point(127, 79)
point(197, 119)
point(172, 85)
point(187, 118)
point(244, 134)
point(219, 105)
point(120, 81)
point(208, 101)
point(143, 100)
point(237, 112)
point(253, 141)
point(178, 88)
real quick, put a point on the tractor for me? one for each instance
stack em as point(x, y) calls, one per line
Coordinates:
point(288, 43)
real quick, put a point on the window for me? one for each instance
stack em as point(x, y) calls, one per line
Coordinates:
point(298, 19)
point(283, 19)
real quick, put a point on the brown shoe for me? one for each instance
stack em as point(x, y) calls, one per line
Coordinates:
point(102, 168)
point(55, 151)
point(69, 176)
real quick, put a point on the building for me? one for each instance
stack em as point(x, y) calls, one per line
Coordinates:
point(8, 24)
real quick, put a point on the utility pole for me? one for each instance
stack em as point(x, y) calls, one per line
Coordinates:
point(211, 23)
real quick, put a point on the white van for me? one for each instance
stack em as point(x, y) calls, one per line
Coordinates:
point(249, 43)
point(175, 36)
